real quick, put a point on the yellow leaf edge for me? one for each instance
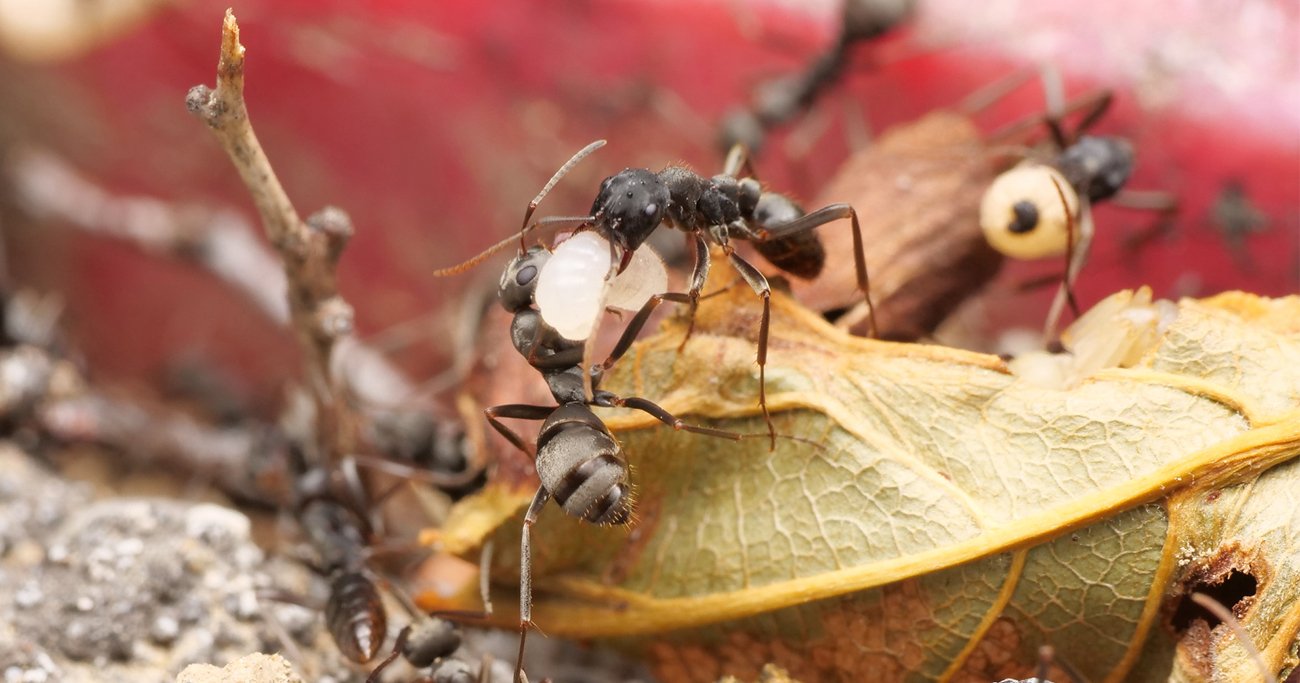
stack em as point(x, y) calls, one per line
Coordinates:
point(612, 612)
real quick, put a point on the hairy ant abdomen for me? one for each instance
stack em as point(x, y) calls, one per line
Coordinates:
point(582, 466)
point(802, 253)
point(355, 616)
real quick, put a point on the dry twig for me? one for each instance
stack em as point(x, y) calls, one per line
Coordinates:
point(308, 250)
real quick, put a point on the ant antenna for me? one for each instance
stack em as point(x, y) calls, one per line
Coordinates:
point(563, 171)
point(1066, 293)
point(526, 227)
point(1225, 615)
point(481, 256)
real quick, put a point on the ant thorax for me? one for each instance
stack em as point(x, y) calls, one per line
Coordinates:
point(578, 283)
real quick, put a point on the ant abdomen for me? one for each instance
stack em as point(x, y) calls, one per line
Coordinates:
point(801, 254)
point(355, 616)
point(581, 465)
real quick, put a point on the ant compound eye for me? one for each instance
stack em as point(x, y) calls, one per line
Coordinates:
point(651, 209)
point(1026, 217)
point(515, 291)
point(1022, 213)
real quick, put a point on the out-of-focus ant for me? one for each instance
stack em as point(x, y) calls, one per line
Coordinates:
point(1042, 207)
point(332, 511)
point(779, 100)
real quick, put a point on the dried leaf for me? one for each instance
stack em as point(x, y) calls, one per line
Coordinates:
point(917, 191)
point(958, 515)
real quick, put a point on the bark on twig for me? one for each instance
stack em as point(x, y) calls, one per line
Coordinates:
point(219, 240)
point(309, 250)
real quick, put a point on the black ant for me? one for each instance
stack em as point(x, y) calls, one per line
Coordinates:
point(633, 203)
point(330, 515)
point(1042, 207)
point(781, 99)
point(578, 460)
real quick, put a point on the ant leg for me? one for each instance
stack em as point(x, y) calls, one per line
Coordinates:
point(760, 286)
point(518, 411)
point(985, 96)
point(638, 322)
point(821, 217)
point(526, 575)
point(1093, 105)
point(658, 413)
point(738, 162)
point(402, 635)
point(1163, 204)
point(698, 276)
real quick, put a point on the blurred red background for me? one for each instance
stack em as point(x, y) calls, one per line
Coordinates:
point(433, 124)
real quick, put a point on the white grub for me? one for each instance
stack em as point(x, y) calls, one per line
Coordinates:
point(644, 277)
point(574, 286)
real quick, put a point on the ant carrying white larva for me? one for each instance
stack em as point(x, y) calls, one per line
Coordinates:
point(634, 202)
point(1043, 208)
point(579, 462)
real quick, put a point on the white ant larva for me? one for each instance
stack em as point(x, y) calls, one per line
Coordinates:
point(575, 286)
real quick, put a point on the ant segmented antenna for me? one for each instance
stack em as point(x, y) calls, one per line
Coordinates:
point(546, 189)
point(1074, 258)
point(525, 227)
point(481, 256)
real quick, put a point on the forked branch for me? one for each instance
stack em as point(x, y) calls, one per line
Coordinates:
point(309, 250)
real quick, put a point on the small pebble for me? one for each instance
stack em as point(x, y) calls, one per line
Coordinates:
point(164, 629)
point(29, 595)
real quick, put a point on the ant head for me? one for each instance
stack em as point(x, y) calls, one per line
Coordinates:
point(1101, 165)
point(1022, 214)
point(519, 280)
point(631, 204)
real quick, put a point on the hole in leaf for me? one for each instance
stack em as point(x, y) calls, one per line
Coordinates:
point(1237, 586)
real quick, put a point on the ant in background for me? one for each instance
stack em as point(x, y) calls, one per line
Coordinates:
point(1042, 207)
point(780, 100)
point(578, 460)
point(332, 510)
